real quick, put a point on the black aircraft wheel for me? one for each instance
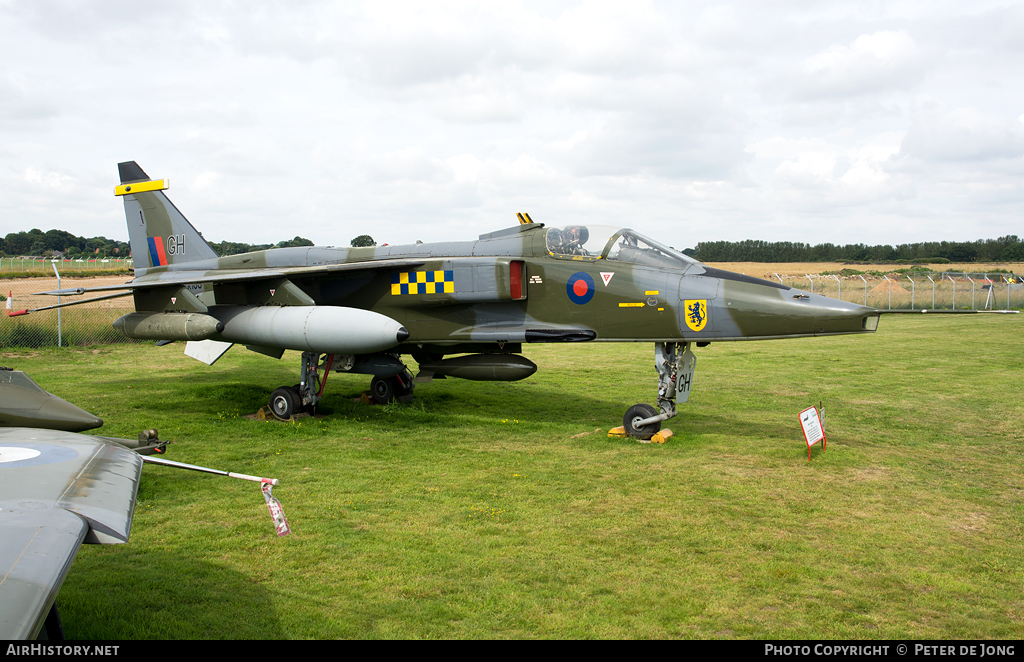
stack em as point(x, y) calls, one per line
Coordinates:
point(634, 415)
point(284, 403)
point(382, 389)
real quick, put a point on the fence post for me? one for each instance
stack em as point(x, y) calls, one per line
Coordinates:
point(865, 290)
point(890, 289)
point(933, 292)
point(57, 273)
point(954, 290)
point(840, 297)
point(912, 288)
point(973, 307)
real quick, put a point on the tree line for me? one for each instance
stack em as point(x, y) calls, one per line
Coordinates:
point(1010, 248)
point(1004, 249)
point(57, 243)
point(37, 243)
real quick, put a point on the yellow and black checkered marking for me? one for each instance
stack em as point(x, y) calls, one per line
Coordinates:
point(423, 282)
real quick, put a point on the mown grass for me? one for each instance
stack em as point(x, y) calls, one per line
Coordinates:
point(473, 512)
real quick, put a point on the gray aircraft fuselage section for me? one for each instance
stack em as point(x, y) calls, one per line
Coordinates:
point(279, 258)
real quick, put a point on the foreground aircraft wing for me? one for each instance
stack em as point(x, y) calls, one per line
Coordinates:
point(57, 490)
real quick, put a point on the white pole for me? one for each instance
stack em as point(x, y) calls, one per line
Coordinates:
point(57, 273)
point(840, 297)
point(954, 290)
point(865, 290)
point(912, 288)
point(933, 292)
point(890, 290)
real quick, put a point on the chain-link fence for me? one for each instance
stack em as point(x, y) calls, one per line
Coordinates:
point(945, 291)
point(29, 264)
point(87, 324)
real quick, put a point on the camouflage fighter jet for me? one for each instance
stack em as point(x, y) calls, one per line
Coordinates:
point(58, 490)
point(460, 309)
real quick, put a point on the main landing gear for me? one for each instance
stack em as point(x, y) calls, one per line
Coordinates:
point(392, 380)
point(676, 364)
point(399, 387)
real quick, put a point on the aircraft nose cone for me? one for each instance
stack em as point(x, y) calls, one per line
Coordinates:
point(403, 334)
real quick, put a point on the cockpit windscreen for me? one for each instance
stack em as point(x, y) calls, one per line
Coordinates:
point(609, 242)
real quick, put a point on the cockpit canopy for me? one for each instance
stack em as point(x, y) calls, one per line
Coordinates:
point(593, 242)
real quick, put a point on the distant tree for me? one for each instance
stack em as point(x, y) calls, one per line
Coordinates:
point(17, 243)
point(363, 240)
point(1013, 253)
point(297, 241)
point(963, 253)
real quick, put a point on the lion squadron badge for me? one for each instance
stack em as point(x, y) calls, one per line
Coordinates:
point(696, 311)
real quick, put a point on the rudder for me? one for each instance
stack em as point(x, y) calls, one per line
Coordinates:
point(159, 234)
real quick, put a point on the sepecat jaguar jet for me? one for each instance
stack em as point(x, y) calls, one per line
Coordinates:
point(460, 309)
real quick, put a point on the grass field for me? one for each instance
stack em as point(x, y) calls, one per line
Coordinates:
point(477, 511)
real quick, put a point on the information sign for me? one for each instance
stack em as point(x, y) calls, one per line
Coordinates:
point(814, 431)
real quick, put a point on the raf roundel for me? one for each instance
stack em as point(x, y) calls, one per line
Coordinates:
point(34, 453)
point(580, 288)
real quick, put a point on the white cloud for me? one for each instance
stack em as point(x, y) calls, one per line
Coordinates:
point(696, 121)
point(963, 134)
point(872, 63)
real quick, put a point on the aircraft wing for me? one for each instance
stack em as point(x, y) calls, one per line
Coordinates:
point(57, 490)
point(199, 276)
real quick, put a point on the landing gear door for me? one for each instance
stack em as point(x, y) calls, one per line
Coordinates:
point(687, 363)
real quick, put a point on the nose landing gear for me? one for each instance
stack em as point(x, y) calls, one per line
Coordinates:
point(675, 363)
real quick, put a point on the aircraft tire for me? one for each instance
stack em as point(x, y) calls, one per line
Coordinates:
point(297, 397)
point(284, 403)
point(637, 413)
point(382, 389)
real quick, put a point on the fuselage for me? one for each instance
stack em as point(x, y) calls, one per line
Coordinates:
point(523, 285)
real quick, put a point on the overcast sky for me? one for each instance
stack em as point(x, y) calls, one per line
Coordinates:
point(818, 121)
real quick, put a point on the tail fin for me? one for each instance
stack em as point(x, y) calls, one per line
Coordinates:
point(160, 235)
